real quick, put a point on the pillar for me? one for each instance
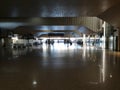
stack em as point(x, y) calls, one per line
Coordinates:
point(84, 40)
point(7, 42)
point(118, 41)
point(104, 35)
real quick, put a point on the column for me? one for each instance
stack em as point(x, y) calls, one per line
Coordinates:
point(118, 41)
point(115, 36)
point(104, 35)
point(84, 40)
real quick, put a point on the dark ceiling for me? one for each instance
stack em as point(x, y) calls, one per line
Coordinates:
point(18, 12)
point(54, 8)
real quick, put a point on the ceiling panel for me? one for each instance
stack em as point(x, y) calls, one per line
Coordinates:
point(54, 8)
point(55, 14)
point(112, 15)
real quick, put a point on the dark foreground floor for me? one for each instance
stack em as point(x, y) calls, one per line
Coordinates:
point(59, 67)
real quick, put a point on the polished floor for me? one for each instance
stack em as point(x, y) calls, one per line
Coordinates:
point(59, 67)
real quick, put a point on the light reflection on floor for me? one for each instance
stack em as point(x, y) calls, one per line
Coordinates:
point(59, 67)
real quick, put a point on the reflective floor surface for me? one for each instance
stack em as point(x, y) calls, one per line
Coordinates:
point(59, 67)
